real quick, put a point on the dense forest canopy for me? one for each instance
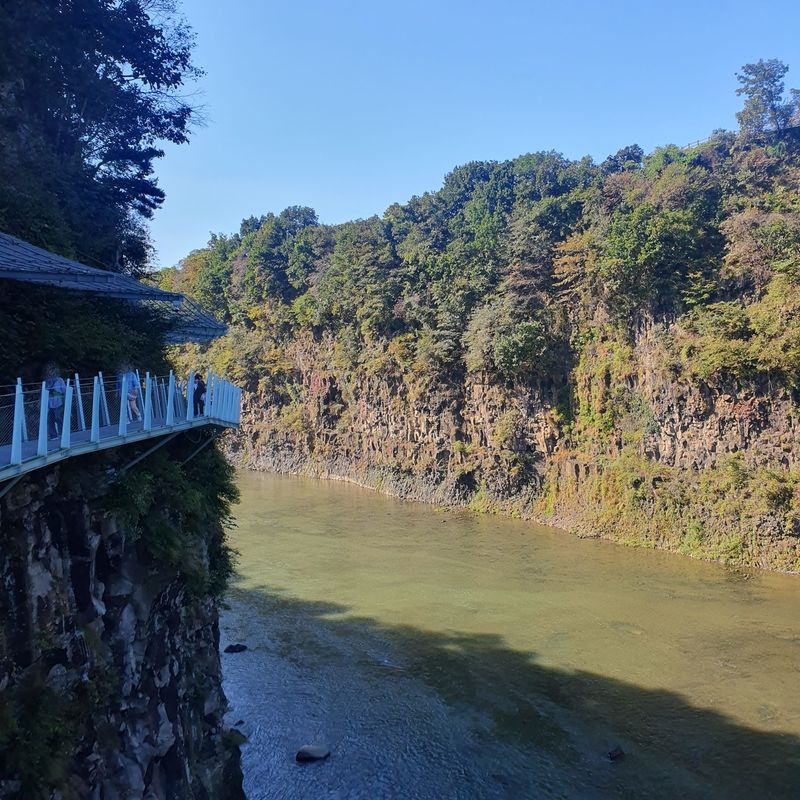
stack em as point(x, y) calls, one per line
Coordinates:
point(88, 89)
point(510, 265)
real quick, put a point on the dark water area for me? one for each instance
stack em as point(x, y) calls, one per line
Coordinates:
point(445, 655)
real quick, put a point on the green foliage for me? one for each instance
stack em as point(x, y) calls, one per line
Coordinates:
point(649, 255)
point(765, 107)
point(42, 729)
point(495, 342)
point(714, 514)
point(505, 428)
point(521, 348)
point(81, 334)
point(89, 89)
point(179, 513)
point(508, 261)
point(744, 341)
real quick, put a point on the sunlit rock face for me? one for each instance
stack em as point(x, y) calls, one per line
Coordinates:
point(108, 665)
point(619, 445)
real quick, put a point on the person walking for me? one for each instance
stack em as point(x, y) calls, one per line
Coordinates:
point(199, 395)
point(57, 389)
point(128, 376)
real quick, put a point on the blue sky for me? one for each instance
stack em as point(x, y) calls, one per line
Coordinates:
point(349, 106)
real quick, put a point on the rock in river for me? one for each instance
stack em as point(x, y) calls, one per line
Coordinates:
point(616, 754)
point(312, 752)
point(235, 648)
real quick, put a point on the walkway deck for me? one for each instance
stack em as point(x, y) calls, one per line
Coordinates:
point(91, 421)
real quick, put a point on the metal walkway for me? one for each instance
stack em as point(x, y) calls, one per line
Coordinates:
point(34, 433)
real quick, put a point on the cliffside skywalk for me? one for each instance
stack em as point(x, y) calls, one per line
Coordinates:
point(34, 433)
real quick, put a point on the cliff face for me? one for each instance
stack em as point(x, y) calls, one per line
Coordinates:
point(619, 445)
point(109, 670)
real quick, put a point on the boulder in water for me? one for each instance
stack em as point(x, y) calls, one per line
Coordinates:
point(235, 648)
point(616, 754)
point(312, 752)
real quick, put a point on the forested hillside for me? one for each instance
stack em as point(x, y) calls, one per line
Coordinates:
point(611, 346)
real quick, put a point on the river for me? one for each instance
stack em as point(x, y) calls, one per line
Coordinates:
point(439, 655)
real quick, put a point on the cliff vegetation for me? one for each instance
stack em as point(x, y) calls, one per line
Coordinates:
point(611, 346)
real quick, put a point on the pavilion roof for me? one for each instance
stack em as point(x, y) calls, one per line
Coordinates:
point(21, 261)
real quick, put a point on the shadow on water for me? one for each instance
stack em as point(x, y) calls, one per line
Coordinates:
point(413, 713)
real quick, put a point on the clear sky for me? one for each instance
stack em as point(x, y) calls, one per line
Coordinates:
point(350, 106)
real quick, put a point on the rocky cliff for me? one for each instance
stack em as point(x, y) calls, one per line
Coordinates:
point(110, 682)
point(620, 443)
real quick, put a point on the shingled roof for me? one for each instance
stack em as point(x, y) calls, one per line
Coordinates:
point(21, 261)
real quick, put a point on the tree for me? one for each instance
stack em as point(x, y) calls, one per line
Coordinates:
point(765, 108)
point(628, 159)
point(89, 89)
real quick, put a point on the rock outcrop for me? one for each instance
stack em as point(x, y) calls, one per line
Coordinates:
point(620, 445)
point(110, 680)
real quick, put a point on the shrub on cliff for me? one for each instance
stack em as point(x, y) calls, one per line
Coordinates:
point(180, 513)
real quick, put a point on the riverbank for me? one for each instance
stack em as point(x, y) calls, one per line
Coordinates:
point(626, 450)
point(716, 516)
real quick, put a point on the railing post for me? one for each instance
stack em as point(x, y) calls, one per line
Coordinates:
point(148, 402)
point(81, 418)
point(16, 430)
point(66, 425)
point(123, 405)
point(190, 396)
point(95, 434)
point(171, 400)
point(44, 405)
point(209, 393)
point(25, 436)
point(139, 398)
point(104, 400)
point(161, 396)
point(164, 397)
point(155, 403)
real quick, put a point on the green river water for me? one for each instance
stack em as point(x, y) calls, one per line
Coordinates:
point(444, 655)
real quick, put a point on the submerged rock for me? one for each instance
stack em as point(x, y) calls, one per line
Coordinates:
point(235, 648)
point(312, 752)
point(616, 754)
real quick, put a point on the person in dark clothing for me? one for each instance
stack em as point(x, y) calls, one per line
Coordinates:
point(199, 395)
point(55, 403)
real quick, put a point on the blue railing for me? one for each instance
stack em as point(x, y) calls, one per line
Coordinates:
point(39, 427)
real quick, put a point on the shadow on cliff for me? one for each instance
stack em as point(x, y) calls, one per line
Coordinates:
point(671, 747)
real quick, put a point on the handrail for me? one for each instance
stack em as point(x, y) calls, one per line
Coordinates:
point(38, 428)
